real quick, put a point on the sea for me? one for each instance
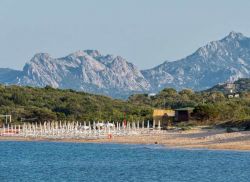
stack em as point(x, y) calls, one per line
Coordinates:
point(58, 161)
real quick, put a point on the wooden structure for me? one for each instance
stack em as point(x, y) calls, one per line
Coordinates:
point(164, 116)
point(183, 114)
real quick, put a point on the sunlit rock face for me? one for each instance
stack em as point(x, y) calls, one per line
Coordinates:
point(219, 61)
point(87, 70)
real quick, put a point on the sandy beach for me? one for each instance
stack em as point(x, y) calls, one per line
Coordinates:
point(194, 138)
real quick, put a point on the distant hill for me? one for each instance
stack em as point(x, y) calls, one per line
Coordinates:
point(9, 76)
point(241, 85)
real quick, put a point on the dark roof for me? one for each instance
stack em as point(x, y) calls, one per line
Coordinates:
point(185, 109)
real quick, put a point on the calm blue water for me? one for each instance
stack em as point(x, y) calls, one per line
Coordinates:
point(49, 161)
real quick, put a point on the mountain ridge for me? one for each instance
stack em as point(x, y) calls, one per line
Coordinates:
point(220, 61)
point(86, 70)
point(216, 56)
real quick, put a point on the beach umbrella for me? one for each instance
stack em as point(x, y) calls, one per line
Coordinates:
point(159, 125)
point(89, 126)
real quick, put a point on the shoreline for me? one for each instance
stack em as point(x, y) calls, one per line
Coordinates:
point(215, 139)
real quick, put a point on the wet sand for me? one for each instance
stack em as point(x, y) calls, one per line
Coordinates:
point(192, 139)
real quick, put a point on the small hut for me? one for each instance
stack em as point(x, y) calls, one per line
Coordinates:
point(183, 114)
point(165, 116)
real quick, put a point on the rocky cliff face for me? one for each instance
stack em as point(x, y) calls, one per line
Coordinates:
point(84, 70)
point(218, 61)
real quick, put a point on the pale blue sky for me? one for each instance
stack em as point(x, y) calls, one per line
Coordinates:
point(145, 32)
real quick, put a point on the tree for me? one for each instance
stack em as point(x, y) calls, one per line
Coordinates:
point(18, 98)
point(206, 112)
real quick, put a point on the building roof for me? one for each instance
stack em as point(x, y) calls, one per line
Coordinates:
point(185, 109)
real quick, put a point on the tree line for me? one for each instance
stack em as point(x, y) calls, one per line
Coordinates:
point(44, 104)
point(210, 107)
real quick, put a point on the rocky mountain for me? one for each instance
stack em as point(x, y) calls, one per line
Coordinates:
point(87, 70)
point(218, 61)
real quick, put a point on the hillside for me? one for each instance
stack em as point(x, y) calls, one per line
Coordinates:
point(46, 104)
point(239, 86)
point(210, 107)
point(9, 76)
point(41, 104)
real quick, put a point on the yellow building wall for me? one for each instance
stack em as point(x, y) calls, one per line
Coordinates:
point(163, 115)
point(162, 112)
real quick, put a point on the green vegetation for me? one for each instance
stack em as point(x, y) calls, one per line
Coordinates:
point(170, 98)
point(213, 108)
point(43, 104)
point(241, 85)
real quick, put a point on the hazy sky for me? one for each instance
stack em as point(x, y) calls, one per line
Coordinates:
point(145, 32)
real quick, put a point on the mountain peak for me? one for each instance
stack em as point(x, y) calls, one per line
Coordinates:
point(93, 53)
point(38, 57)
point(79, 53)
point(234, 35)
point(42, 55)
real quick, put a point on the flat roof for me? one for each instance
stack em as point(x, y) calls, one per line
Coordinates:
point(185, 109)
